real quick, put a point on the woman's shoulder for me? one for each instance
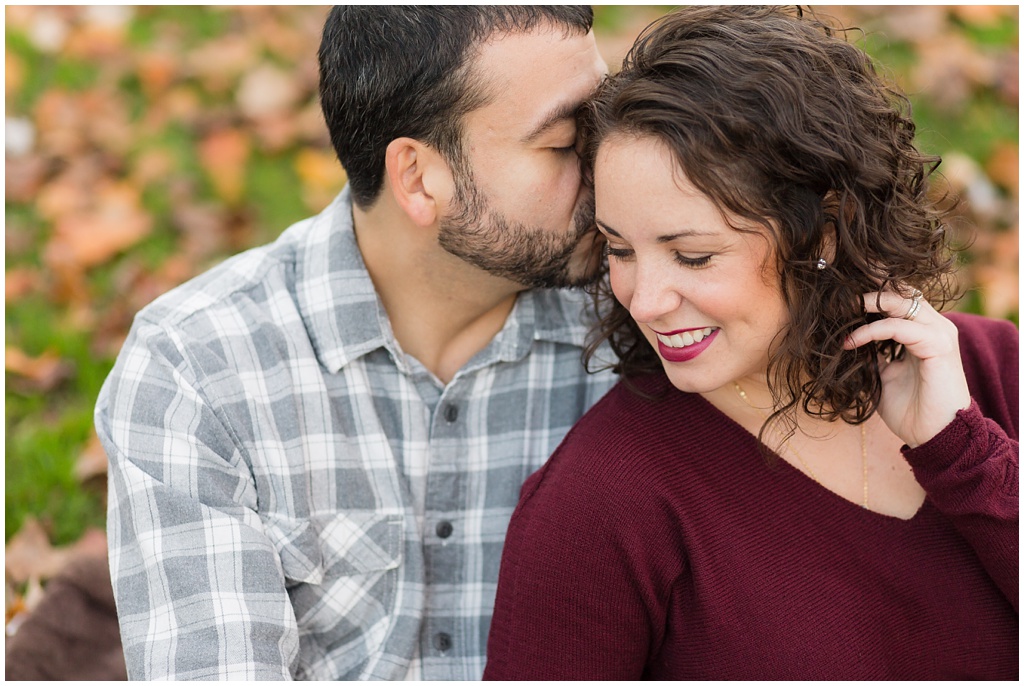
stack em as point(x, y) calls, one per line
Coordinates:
point(633, 438)
point(640, 409)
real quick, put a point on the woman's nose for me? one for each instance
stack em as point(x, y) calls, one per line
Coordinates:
point(653, 296)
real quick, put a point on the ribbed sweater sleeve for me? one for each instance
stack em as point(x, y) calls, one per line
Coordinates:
point(970, 469)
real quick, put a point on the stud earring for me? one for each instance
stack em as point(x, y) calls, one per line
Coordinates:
point(821, 263)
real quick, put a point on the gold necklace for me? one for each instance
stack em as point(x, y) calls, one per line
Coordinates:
point(807, 467)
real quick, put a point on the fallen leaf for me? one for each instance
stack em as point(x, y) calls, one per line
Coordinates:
point(19, 17)
point(950, 69)
point(29, 554)
point(1003, 166)
point(101, 32)
point(968, 180)
point(157, 71)
point(59, 124)
point(14, 74)
point(92, 461)
point(153, 166)
point(19, 282)
point(107, 123)
point(267, 90)
point(1008, 78)
point(23, 605)
point(24, 177)
point(48, 31)
point(114, 221)
point(219, 62)
point(322, 177)
point(978, 15)
point(312, 128)
point(276, 132)
point(1000, 290)
point(223, 155)
point(204, 228)
point(39, 374)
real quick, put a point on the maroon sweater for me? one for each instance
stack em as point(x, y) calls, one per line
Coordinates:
point(657, 543)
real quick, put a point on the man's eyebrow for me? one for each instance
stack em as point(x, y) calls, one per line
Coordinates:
point(668, 238)
point(561, 112)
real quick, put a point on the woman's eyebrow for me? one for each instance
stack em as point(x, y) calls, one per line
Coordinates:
point(667, 238)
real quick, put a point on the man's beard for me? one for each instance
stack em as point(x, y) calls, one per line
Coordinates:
point(533, 257)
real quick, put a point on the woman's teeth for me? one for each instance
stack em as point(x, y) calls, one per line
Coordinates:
point(682, 340)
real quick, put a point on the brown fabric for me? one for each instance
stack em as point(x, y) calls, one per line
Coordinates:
point(73, 634)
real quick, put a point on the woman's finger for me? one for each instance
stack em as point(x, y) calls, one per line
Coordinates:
point(892, 304)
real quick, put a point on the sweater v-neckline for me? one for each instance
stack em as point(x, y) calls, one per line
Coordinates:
point(795, 474)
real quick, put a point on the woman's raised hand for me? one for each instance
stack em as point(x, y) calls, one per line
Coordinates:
point(924, 389)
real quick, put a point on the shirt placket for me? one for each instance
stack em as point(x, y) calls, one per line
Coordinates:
point(443, 642)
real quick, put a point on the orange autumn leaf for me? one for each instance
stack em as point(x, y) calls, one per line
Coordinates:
point(1003, 166)
point(1000, 293)
point(29, 554)
point(979, 15)
point(157, 71)
point(14, 73)
point(101, 32)
point(19, 282)
point(40, 373)
point(223, 155)
point(92, 461)
point(114, 221)
point(321, 174)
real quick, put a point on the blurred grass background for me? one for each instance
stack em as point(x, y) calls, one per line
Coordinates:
point(145, 144)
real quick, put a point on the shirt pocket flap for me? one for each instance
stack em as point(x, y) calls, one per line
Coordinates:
point(336, 545)
point(360, 543)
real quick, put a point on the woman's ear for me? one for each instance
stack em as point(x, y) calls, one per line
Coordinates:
point(830, 208)
point(420, 179)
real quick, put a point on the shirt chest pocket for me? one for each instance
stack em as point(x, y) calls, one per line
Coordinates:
point(342, 572)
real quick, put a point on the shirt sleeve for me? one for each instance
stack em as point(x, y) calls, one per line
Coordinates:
point(970, 472)
point(580, 594)
point(199, 587)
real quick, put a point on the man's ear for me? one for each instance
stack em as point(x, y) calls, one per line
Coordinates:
point(420, 179)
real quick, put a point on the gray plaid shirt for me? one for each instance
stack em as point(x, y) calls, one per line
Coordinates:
point(294, 497)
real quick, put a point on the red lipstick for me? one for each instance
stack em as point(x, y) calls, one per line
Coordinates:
point(686, 354)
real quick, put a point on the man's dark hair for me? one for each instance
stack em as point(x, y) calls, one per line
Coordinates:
point(780, 121)
point(388, 72)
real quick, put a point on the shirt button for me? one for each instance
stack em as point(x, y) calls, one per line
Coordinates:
point(444, 529)
point(451, 413)
point(442, 642)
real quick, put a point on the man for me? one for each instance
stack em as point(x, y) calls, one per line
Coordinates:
point(316, 447)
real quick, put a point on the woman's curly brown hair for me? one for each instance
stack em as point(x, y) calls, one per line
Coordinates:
point(780, 121)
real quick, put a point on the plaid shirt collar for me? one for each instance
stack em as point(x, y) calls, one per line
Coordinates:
point(338, 275)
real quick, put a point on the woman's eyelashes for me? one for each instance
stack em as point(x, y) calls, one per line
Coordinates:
point(617, 253)
point(623, 254)
point(693, 262)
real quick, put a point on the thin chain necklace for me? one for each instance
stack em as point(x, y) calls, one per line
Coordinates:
point(807, 467)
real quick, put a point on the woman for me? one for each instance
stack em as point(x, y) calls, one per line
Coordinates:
point(807, 472)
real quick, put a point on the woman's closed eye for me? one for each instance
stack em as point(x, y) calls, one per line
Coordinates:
point(617, 253)
point(693, 262)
